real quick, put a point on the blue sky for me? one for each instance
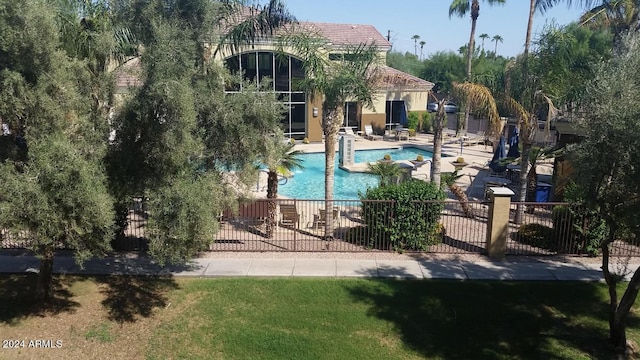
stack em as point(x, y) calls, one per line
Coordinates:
point(430, 20)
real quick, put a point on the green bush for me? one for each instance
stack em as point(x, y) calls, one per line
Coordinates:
point(407, 221)
point(580, 229)
point(413, 120)
point(538, 235)
point(427, 122)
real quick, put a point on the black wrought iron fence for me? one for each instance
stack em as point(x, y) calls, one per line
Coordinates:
point(364, 226)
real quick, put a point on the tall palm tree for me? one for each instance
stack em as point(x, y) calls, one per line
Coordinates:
point(281, 159)
point(618, 15)
point(415, 44)
point(497, 39)
point(422, 44)
point(484, 37)
point(387, 171)
point(526, 119)
point(461, 8)
point(353, 78)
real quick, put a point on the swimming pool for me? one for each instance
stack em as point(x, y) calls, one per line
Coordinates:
point(309, 182)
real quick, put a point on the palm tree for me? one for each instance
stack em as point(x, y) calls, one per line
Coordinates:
point(618, 15)
point(354, 78)
point(415, 44)
point(281, 159)
point(461, 8)
point(422, 44)
point(449, 179)
point(484, 37)
point(387, 171)
point(497, 39)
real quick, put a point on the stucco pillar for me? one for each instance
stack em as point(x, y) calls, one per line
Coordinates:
point(498, 224)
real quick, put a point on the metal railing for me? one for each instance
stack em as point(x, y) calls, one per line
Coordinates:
point(448, 226)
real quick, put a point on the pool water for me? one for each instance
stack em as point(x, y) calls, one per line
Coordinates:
point(308, 183)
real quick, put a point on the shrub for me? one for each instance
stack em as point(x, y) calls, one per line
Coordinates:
point(419, 158)
point(460, 160)
point(408, 221)
point(413, 120)
point(427, 122)
point(538, 235)
point(412, 132)
point(305, 140)
point(387, 157)
point(583, 228)
point(292, 140)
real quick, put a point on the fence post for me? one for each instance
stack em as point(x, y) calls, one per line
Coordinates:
point(498, 223)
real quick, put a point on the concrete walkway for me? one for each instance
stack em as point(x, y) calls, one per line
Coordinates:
point(539, 269)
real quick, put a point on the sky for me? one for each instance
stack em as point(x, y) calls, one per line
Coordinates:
point(430, 20)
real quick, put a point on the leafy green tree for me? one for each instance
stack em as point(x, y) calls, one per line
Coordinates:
point(280, 159)
point(51, 172)
point(406, 62)
point(353, 77)
point(179, 132)
point(609, 174)
point(443, 69)
point(565, 59)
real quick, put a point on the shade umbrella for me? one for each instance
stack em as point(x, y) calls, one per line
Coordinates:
point(498, 155)
point(514, 142)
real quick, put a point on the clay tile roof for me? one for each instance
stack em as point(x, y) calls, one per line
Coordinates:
point(349, 34)
point(395, 79)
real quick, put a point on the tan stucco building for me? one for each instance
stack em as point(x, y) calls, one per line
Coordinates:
point(399, 93)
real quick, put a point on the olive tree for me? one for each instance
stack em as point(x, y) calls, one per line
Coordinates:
point(52, 177)
point(606, 166)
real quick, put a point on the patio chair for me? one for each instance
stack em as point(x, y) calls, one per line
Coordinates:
point(320, 219)
point(369, 134)
point(349, 131)
point(402, 133)
point(289, 216)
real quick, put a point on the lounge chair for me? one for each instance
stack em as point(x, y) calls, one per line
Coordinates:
point(349, 131)
point(320, 219)
point(369, 134)
point(289, 216)
point(402, 133)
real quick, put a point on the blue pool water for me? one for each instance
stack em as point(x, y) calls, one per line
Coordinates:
point(309, 182)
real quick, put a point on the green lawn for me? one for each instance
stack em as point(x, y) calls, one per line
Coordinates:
point(319, 319)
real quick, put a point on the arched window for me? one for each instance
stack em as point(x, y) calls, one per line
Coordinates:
point(284, 74)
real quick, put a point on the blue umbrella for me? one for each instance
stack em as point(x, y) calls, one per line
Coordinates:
point(499, 155)
point(514, 152)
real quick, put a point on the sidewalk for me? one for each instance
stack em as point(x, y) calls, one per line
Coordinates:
point(538, 269)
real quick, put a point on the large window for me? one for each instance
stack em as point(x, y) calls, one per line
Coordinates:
point(284, 75)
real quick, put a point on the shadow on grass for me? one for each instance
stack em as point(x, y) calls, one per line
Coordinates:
point(17, 300)
point(129, 298)
point(493, 319)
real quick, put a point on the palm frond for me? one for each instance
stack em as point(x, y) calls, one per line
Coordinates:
point(481, 100)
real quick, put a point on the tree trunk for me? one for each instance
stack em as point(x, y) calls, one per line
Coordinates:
point(463, 199)
point(44, 287)
point(475, 12)
point(527, 41)
point(272, 193)
point(618, 312)
point(331, 124)
point(437, 144)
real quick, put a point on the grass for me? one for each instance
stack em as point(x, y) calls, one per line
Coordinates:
point(165, 318)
